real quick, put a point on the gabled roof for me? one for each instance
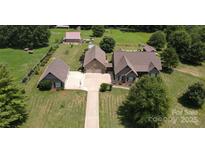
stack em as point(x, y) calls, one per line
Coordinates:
point(95, 53)
point(57, 68)
point(72, 35)
point(149, 48)
point(136, 61)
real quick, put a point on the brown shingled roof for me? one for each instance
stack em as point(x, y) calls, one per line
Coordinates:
point(149, 48)
point(137, 61)
point(95, 53)
point(58, 68)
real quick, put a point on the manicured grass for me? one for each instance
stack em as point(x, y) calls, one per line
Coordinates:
point(177, 83)
point(70, 55)
point(20, 62)
point(109, 103)
point(57, 109)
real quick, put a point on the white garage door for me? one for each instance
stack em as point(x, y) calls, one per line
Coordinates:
point(94, 71)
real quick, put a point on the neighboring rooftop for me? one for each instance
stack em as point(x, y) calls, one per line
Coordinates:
point(137, 61)
point(97, 53)
point(73, 35)
point(149, 48)
point(58, 68)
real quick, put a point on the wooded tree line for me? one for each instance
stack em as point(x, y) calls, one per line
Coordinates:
point(19, 36)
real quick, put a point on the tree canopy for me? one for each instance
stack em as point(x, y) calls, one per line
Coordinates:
point(98, 30)
point(24, 36)
point(146, 104)
point(157, 40)
point(107, 44)
point(12, 105)
point(196, 53)
point(181, 41)
point(169, 59)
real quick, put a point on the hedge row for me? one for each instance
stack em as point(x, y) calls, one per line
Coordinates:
point(42, 62)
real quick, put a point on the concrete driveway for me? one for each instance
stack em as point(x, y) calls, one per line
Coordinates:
point(90, 82)
point(93, 80)
point(75, 80)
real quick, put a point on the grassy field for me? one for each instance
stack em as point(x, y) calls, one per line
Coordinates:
point(179, 116)
point(51, 109)
point(70, 55)
point(198, 71)
point(19, 62)
point(177, 83)
point(109, 103)
point(124, 40)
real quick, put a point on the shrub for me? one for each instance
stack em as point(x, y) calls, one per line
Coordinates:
point(45, 85)
point(107, 44)
point(105, 87)
point(194, 96)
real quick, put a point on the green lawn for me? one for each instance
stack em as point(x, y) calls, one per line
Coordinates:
point(20, 62)
point(51, 109)
point(124, 40)
point(177, 83)
point(109, 103)
point(70, 55)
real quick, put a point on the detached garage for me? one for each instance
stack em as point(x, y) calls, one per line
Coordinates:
point(72, 38)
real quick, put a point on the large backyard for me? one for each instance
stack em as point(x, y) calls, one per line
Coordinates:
point(67, 108)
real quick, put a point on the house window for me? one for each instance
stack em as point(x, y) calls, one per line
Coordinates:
point(58, 84)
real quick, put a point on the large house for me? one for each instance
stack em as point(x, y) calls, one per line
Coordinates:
point(56, 72)
point(125, 66)
point(95, 61)
point(128, 66)
point(72, 38)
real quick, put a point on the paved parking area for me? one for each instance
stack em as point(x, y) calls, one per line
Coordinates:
point(75, 80)
point(93, 80)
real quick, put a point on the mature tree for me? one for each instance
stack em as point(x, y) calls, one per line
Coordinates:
point(170, 59)
point(157, 40)
point(146, 104)
point(24, 36)
point(181, 41)
point(12, 106)
point(194, 96)
point(98, 30)
point(107, 44)
point(196, 54)
point(202, 34)
point(172, 28)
